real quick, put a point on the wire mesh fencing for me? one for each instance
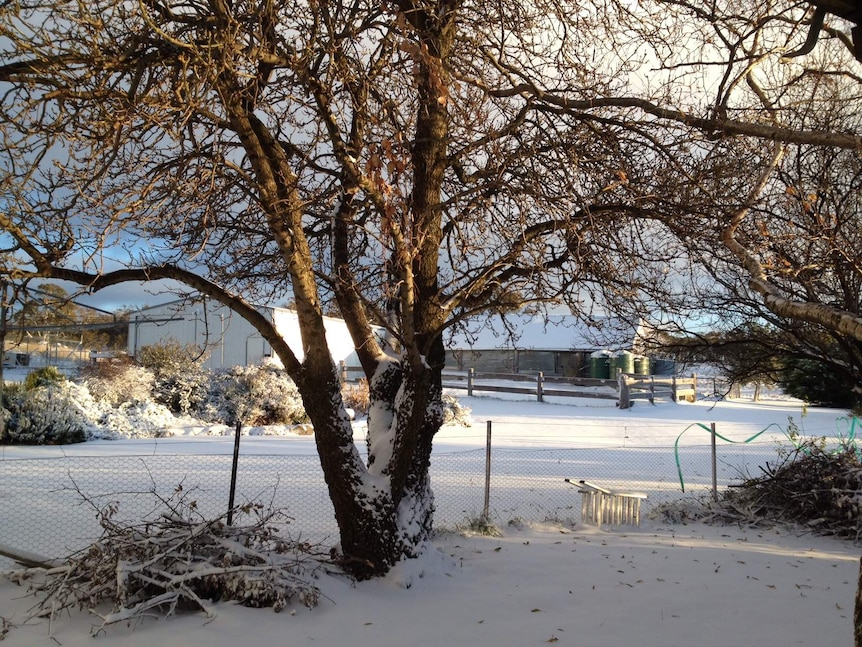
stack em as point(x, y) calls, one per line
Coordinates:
point(51, 506)
point(531, 485)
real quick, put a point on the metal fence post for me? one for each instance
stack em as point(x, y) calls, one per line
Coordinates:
point(486, 508)
point(714, 466)
point(470, 375)
point(540, 383)
point(233, 471)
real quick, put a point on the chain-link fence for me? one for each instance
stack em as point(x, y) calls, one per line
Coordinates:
point(50, 506)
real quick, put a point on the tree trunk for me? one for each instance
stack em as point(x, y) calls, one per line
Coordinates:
point(857, 614)
point(383, 514)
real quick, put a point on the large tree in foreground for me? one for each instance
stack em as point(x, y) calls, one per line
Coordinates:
point(417, 163)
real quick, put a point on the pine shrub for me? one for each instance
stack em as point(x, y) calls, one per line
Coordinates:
point(43, 377)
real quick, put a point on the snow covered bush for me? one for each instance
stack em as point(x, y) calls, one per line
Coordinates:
point(7, 395)
point(137, 419)
point(181, 382)
point(256, 395)
point(55, 413)
point(119, 382)
point(454, 413)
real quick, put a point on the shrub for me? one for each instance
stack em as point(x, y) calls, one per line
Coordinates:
point(819, 383)
point(181, 383)
point(355, 397)
point(138, 419)
point(170, 356)
point(256, 395)
point(53, 414)
point(454, 413)
point(119, 382)
point(43, 377)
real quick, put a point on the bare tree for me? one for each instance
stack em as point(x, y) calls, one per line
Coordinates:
point(416, 163)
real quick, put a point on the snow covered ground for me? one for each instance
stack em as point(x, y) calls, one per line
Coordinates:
point(540, 583)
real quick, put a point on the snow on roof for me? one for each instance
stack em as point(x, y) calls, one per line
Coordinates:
point(552, 332)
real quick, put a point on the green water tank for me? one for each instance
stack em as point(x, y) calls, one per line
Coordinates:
point(622, 361)
point(600, 365)
point(642, 365)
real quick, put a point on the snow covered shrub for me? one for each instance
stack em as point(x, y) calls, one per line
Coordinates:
point(138, 419)
point(7, 396)
point(56, 414)
point(356, 397)
point(119, 382)
point(181, 382)
point(42, 377)
point(454, 413)
point(256, 395)
point(5, 416)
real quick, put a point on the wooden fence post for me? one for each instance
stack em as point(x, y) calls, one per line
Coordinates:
point(625, 393)
point(470, 374)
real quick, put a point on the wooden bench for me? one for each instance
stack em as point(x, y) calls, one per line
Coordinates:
point(603, 506)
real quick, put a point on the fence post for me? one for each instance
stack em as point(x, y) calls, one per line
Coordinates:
point(625, 392)
point(540, 383)
point(233, 470)
point(694, 387)
point(470, 374)
point(487, 506)
point(652, 389)
point(714, 466)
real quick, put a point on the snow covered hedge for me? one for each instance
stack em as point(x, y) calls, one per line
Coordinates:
point(124, 400)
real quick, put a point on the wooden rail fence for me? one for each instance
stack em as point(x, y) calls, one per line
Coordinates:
point(626, 388)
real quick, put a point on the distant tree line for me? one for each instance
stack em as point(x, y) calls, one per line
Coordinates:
point(49, 311)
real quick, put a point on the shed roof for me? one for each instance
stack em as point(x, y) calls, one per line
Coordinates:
point(551, 332)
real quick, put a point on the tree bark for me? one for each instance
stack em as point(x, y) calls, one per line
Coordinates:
point(857, 614)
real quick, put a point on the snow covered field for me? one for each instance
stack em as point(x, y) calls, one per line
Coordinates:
point(542, 582)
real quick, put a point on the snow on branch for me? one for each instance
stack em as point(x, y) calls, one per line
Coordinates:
point(179, 561)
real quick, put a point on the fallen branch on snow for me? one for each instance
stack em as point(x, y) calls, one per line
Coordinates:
point(176, 562)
